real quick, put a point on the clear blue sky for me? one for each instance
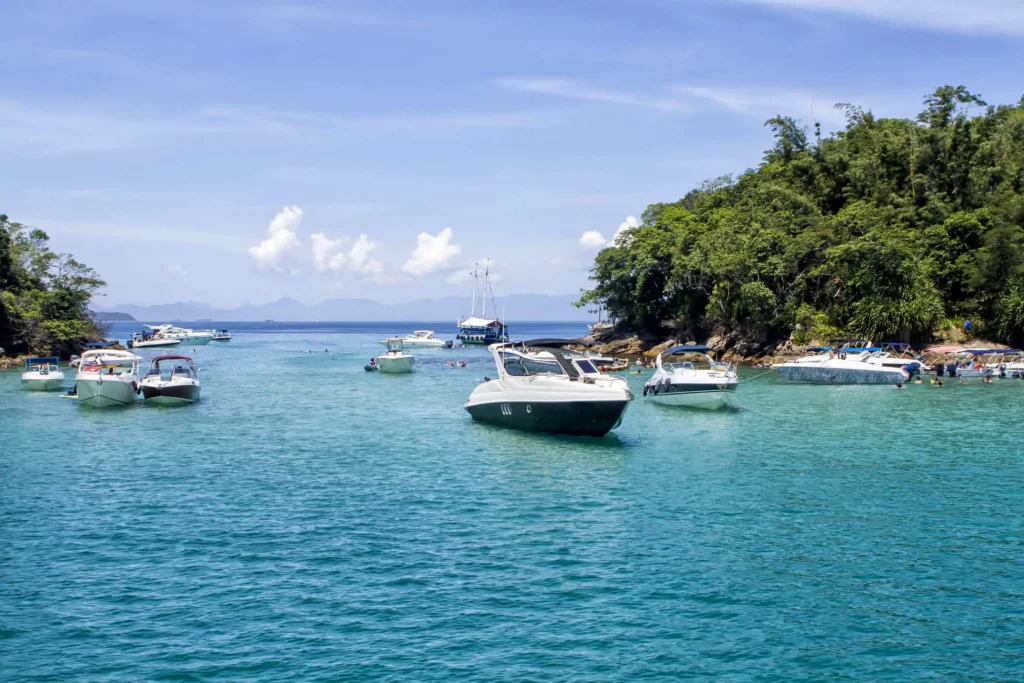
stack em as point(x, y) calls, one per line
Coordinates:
point(192, 150)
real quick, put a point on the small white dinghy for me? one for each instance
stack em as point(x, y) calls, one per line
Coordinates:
point(394, 361)
point(42, 374)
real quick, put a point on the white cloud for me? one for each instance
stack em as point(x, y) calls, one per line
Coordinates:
point(560, 87)
point(592, 239)
point(977, 16)
point(335, 254)
point(628, 224)
point(177, 269)
point(431, 253)
point(764, 102)
point(281, 238)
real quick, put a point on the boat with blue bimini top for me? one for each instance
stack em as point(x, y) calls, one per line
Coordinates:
point(42, 374)
point(542, 387)
point(171, 380)
point(851, 365)
point(696, 379)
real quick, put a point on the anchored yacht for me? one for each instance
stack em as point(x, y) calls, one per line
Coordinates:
point(422, 338)
point(107, 378)
point(150, 341)
point(850, 366)
point(171, 380)
point(183, 334)
point(706, 384)
point(42, 374)
point(549, 392)
point(394, 361)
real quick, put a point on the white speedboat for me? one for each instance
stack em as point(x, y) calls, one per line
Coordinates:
point(422, 338)
point(549, 392)
point(107, 378)
point(394, 361)
point(850, 366)
point(706, 384)
point(42, 374)
point(221, 335)
point(183, 334)
point(973, 364)
point(150, 341)
point(171, 380)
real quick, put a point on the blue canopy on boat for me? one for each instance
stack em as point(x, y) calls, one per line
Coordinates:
point(100, 344)
point(686, 349)
point(982, 352)
point(860, 350)
point(42, 360)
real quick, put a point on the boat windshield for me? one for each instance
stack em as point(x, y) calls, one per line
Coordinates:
point(586, 367)
point(524, 366)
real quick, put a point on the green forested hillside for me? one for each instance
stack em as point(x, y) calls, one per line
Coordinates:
point(891, 228)
point(44, 296)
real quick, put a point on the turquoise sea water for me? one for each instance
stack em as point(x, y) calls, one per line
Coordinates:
point(310, 521)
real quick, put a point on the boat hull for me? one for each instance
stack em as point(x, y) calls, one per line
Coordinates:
point(823, 374)
point(42, 384)
point(695, 396)
point(161, 344)
point(396, 366)
point(197, 340)
point(176, 394)
point(95, 393)
point(575, 418)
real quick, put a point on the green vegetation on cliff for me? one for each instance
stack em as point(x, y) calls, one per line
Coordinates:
point(891, 228)
point(44, 296)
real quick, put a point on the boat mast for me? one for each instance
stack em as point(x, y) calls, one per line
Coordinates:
point(476, 279)
point(487, 289)
point(487, 285)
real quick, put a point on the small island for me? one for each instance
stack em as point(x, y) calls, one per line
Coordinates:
point(44, 296)
point(890, 229)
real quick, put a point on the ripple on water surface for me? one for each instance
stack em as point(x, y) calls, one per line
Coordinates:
point(310, 521)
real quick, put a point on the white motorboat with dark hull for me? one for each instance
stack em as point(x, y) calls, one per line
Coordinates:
point(171, 380)
point(42, 374)
point(549, 392)
point(695, 380)
point(221, 336)
point(395, 361)
point(107, 378)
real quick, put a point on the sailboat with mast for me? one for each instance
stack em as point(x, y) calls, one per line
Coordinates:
point(482, 329)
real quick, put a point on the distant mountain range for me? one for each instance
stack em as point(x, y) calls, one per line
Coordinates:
point(533, 307)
